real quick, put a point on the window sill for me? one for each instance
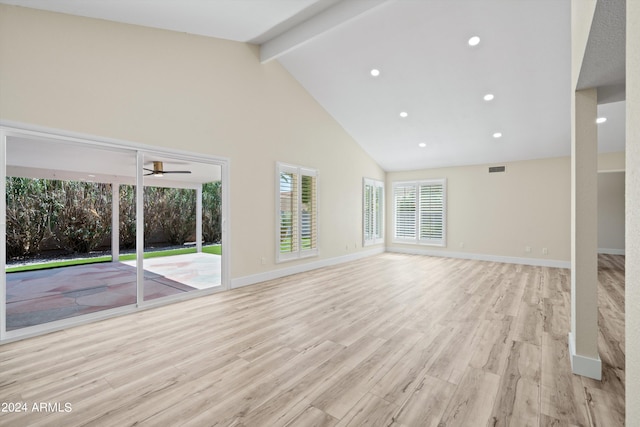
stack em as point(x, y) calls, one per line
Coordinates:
point(413, 242)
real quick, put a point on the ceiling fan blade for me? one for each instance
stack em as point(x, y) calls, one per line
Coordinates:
point(158, 169)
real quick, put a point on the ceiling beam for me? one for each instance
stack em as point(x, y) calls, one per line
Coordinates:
point(339, 13)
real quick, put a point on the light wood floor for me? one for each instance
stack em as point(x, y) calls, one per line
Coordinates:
point(392, 340)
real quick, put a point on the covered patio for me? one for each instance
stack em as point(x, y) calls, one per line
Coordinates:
point(42, 296)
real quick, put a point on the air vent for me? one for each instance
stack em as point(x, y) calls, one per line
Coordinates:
point(495, 169)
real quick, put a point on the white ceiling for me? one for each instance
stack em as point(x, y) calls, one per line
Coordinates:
point(427, 68)
point(240, 20)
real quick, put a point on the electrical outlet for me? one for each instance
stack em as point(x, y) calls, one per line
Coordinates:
point(545, 251)
point(461, 245)
point(263, 261)
point(527, 249)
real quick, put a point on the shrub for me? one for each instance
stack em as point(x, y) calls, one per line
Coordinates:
point(175, 213)
point(84, 220)
point(77, 215)
point(127, 216)
point(211, 212)
point(32, 204)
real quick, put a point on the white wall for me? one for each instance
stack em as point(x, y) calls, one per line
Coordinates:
point(611, 162)
point(632, 270)
point(611, 213)
point(501, 214)
point(198, 94)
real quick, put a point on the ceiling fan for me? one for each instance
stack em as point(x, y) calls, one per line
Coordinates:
point(158, 170)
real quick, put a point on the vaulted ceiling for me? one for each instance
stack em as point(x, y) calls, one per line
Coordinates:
point(426, 108)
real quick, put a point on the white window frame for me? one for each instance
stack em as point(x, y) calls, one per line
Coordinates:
point(412, 223)
point(297, 251)
point(372, 212)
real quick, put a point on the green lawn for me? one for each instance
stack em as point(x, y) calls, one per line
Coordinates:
point(215, 249)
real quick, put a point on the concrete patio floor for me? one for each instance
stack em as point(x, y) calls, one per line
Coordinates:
point(42, 296)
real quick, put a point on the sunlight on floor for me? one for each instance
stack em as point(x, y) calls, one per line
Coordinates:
point(199, 270)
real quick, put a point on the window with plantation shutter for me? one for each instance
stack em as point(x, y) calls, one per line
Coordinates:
point(372, 212)
point(420, 212)
point(297, 212)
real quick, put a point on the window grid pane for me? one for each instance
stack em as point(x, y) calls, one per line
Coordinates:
point(372, 215)
point(378, 212)
point(288, 212)
point(368, 212)
point(431, 212)
point(308, 235)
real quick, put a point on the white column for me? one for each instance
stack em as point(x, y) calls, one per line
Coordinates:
point(199, 218)
point(632, 250)
point(115, 222)
point(583, 339)
point(139, 226)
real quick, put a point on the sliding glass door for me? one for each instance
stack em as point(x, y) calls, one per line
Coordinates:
point(93, 229)
point(59, 234)
point(182, 226)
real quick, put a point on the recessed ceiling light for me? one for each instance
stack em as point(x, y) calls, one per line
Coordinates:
point(497, 135)
point(488, 97)
point(403, 114)
point(375, 72)
point(473, 41)
point(601, 120)
point(422, 145)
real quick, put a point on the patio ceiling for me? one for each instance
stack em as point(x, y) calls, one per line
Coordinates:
point(32, 157)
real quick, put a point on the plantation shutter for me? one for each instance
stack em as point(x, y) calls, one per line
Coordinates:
point(368, 212)
point(404, 197)
point(309, 213)
point(431, 212)
point(288, 211)
point(372, 216)
point(379, 203)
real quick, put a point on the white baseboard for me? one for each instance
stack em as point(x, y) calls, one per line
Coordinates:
point(483, 257)
point(608, 251)
point(301, 268)
point(582, 365)
point(239, 282)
